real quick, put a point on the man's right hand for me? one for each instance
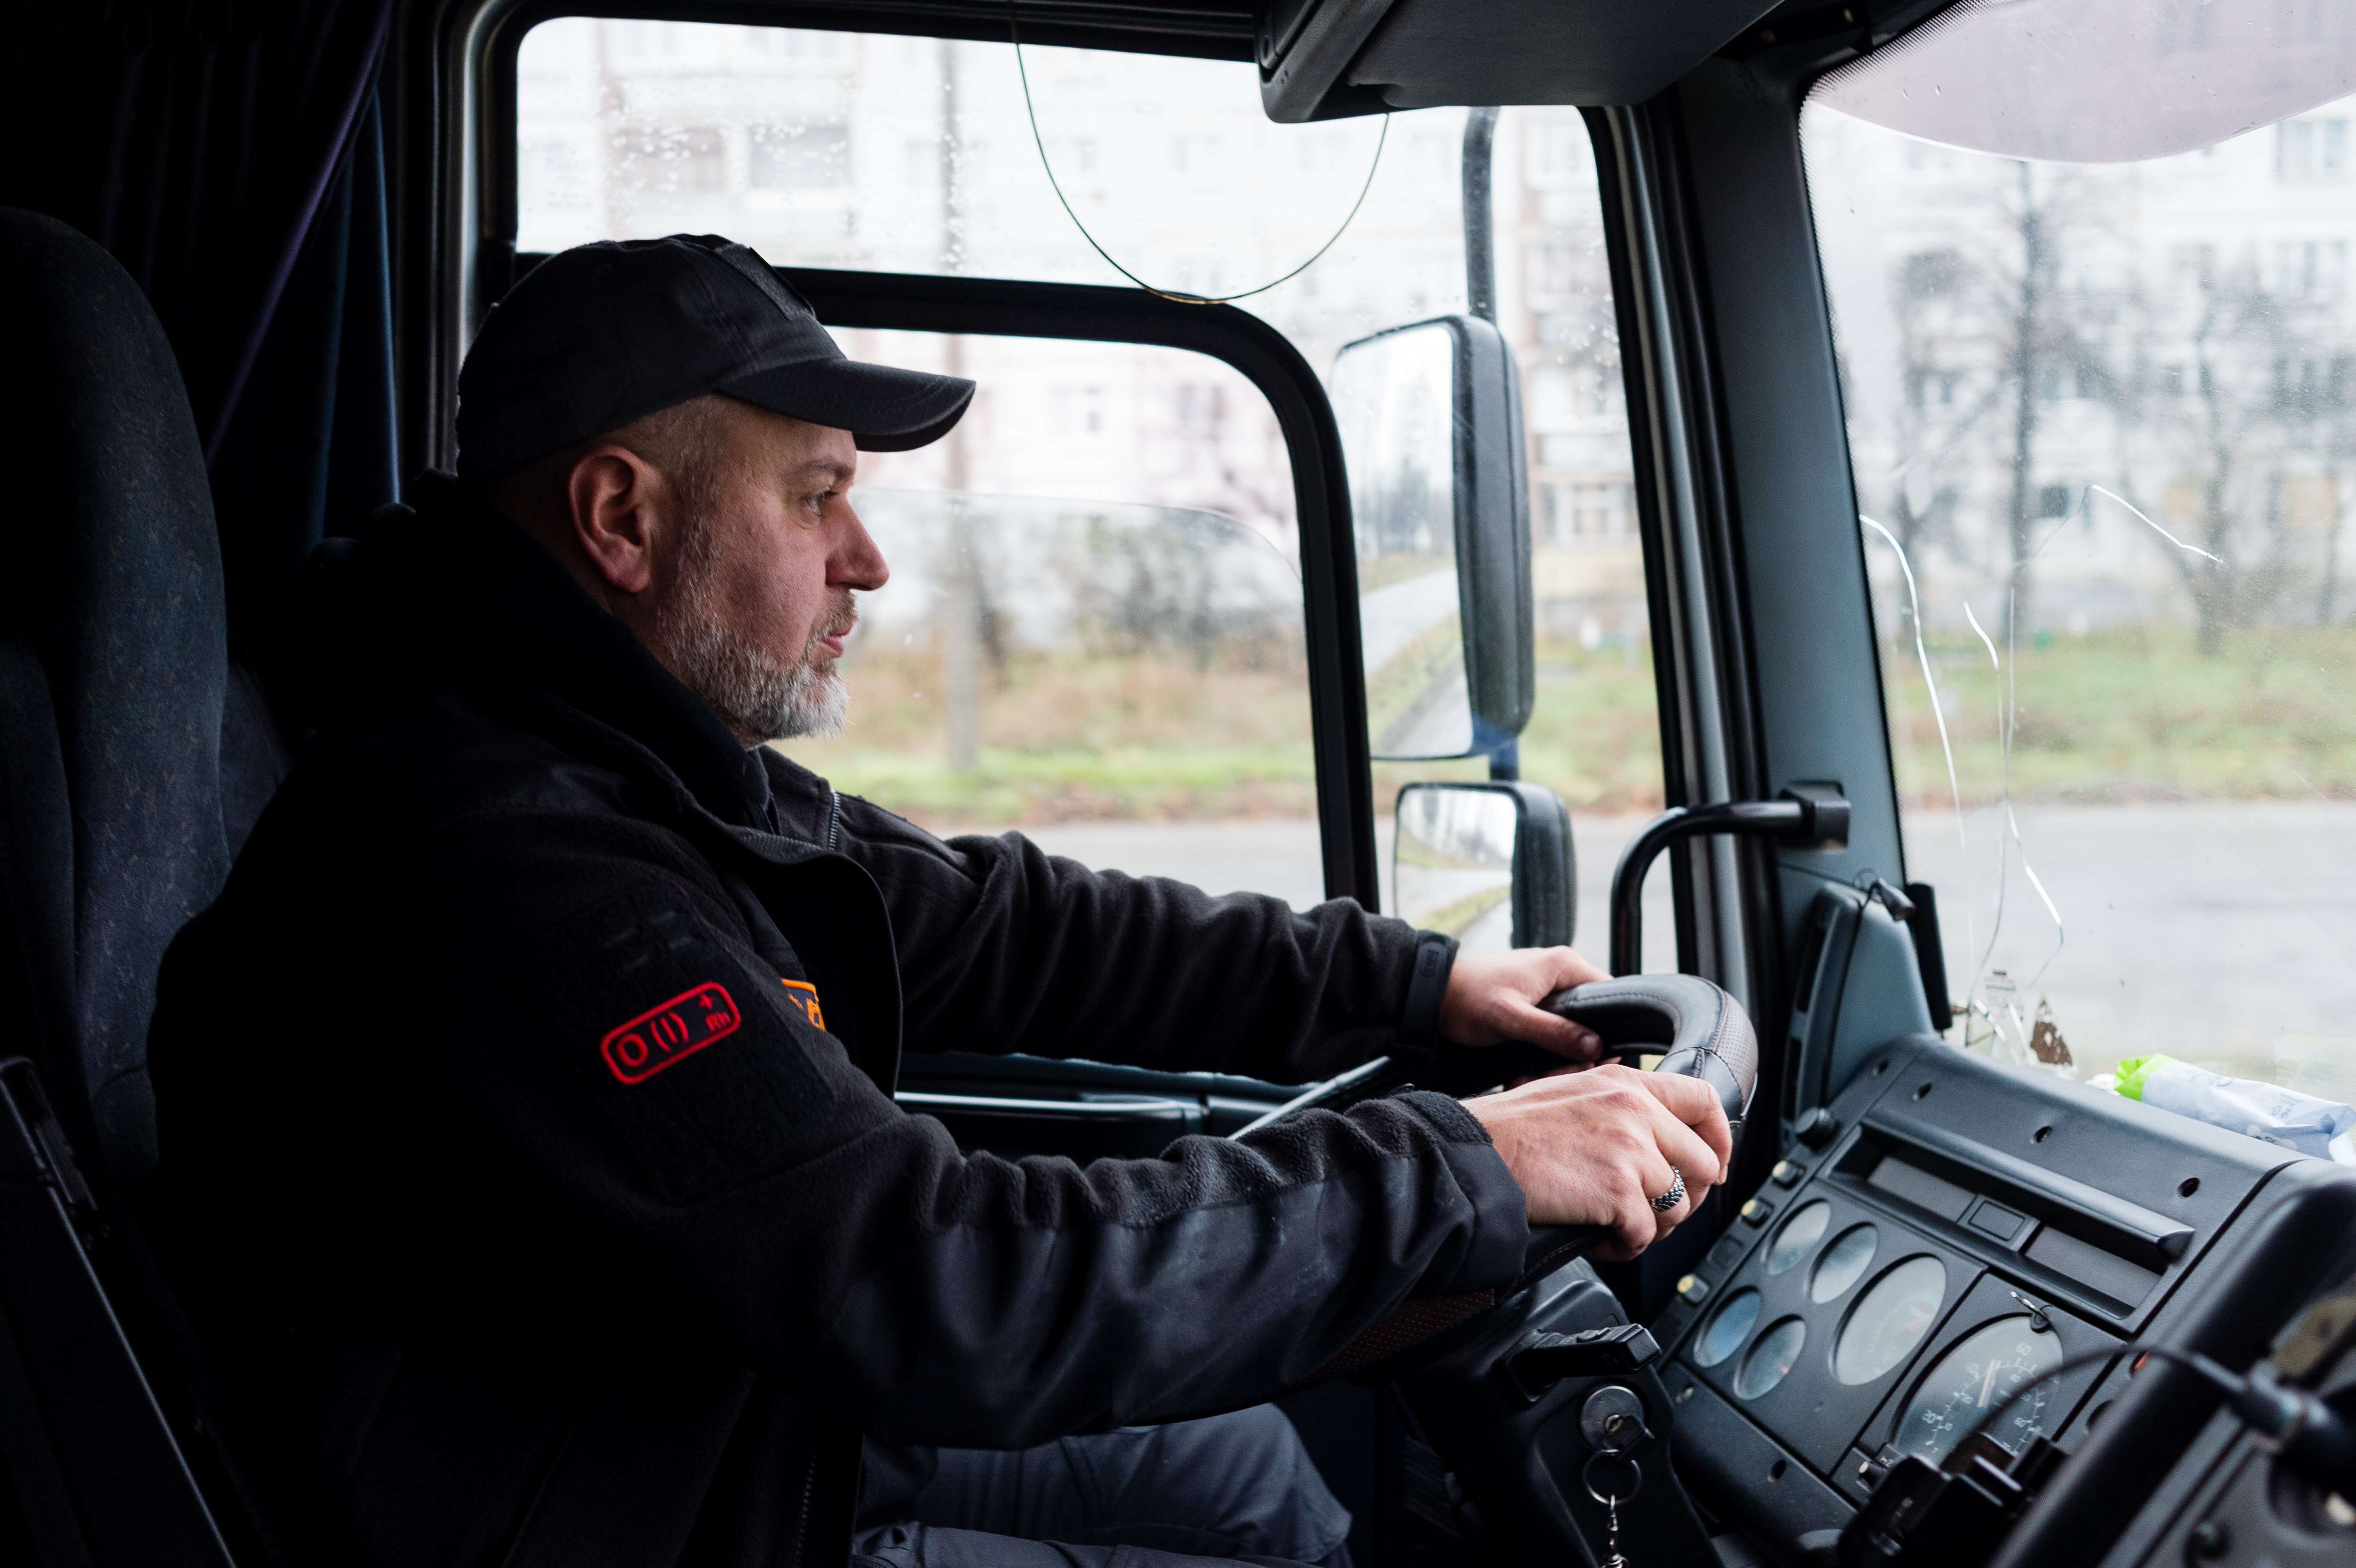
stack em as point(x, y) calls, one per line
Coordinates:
point(1595, 1147)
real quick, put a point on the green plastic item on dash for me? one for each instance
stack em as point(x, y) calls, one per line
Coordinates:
point(2133, 1070)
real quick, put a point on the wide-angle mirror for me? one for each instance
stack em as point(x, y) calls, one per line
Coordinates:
point(1431, 430)
point(1488, 864)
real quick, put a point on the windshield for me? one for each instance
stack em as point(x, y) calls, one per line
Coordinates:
point(909, 154)
point(1152, 752)
point(2102, 421)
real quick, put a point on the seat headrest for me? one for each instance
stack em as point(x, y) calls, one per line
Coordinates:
point(113, 625)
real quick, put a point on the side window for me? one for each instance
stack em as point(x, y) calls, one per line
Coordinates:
point(1095, 633)
point(2101, 418)
point(1594, 732)
point(1093, 630)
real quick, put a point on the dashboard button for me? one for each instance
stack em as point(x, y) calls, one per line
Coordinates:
point(1786, 1174)
point(1758, 1211)
point(1996, 1220)
point(1694, 1288)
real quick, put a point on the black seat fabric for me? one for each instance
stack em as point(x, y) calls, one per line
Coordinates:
point(115, 682)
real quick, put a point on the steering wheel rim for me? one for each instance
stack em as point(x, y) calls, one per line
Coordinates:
point(1699, 1031)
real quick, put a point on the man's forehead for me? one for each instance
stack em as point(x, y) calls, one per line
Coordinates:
point(799, 449)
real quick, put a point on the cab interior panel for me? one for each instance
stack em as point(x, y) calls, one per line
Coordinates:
point(1837, 505)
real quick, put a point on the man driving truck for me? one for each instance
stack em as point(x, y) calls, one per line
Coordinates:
point(527, 1147)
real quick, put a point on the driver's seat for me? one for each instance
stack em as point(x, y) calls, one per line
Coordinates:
point(133, 757)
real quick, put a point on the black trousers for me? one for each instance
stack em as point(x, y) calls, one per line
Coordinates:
point(1238, 1488)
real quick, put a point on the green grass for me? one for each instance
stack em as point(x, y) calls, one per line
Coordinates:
point(1154, 737)
point(1381, 571)
point(1133, 783)
point(1430, 667)
point(2136, 714)
point(1417, 851)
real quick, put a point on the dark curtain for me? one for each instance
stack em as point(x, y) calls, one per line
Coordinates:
point(230, 155)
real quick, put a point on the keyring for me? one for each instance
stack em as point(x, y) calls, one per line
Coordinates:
point(1587, 1477)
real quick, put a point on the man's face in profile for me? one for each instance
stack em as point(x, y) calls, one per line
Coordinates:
point(751, 609)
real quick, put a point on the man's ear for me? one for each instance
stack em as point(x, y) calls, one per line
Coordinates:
point(615, 500)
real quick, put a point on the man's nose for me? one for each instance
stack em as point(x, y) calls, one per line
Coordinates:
point(857, 562)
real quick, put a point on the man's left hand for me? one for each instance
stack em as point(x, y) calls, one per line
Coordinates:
point(1495, 997)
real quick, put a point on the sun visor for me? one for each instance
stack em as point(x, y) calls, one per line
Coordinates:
point(2101, 81)
point(1322, 59)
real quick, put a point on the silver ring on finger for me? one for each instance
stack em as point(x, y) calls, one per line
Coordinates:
point(1675, 1195)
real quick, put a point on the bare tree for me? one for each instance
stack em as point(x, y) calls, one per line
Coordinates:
point(1946, 412)
point(1988, 328)
point(2241, 391)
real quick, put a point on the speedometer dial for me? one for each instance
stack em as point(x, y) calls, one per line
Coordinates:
point(1978, 1374)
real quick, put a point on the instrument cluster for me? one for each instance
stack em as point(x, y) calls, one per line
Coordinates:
point(1964, 1233)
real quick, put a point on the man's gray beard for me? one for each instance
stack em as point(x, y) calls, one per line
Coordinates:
point(753, 691)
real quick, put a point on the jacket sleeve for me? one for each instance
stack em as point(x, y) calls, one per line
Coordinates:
point(1005, 947)
point(676, 1107)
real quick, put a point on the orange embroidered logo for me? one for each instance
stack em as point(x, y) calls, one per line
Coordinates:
point(638, 1049)
point(802, 994)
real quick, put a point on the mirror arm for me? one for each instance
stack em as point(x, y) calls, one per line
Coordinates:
point(1808, 814)
point(1479, 236)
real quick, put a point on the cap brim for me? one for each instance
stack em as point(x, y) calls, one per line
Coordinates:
point(885, 408)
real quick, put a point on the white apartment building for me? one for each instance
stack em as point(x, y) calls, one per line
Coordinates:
point(894, 153)
point(2185, 330)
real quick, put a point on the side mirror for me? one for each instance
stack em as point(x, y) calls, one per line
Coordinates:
point(1431, 430)
point(1488, 864)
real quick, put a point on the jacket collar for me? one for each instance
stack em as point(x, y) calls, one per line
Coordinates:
point(508, 611)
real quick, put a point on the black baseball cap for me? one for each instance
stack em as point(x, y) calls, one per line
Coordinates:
point(600, 334)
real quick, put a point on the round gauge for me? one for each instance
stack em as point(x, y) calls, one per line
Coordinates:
point(1801, 1232)
point(1890, 1319)
point(1972, 1378)
point(1844, 1263)
point(1729, 1327)
point(1770, 1359)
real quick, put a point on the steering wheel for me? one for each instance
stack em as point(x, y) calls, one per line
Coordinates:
point(1699, 1031)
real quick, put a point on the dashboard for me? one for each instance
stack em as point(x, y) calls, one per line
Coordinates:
point(1963, 1231)
point(1955, 1233)
point(1966, 1262)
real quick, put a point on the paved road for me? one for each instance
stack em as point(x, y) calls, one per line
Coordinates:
point(1390, 619)
point(2206, 930)
point(1396, 613)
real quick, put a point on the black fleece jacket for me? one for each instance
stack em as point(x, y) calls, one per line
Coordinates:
point(527, 1147)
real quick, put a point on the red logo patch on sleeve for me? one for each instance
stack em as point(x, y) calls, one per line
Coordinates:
point(679, 1028)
